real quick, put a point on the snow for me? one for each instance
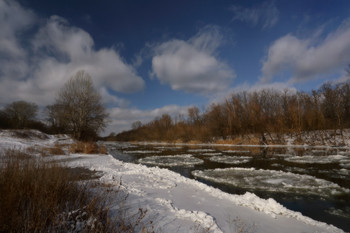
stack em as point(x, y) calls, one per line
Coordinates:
point(230, 159)
point(186, 202)
point(272, 181)
point(317, 159)
point(141, 152)
point(167, 147)
point(343, 213)
point(200, 150)
point(171, 160)
point(236, 151)
point(211, 154)
point(9, 139)
point(179, 204)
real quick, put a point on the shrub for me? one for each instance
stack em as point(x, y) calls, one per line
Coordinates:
point(87, 148)
point(44, 197)
point(103, 150)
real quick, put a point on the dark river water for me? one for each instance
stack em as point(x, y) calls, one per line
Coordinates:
point(313, 181)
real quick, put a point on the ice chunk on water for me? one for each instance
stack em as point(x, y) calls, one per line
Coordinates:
point(168, 147)
point(272, 181)
point(331, 173)
point(283, 155)
point(142, 152)
point(212, 154)
point(230, 159)
point(171, 160)
point(236, 151)
point(345, 212)
point(345, 163)
point(316, 159)
point(200, 150)
point(119, 145)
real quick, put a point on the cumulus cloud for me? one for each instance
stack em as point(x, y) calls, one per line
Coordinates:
point(34, 69)
point(265, 15)
point(14, 19)
point(122, 118)
point(308, 58)
point(192, 65)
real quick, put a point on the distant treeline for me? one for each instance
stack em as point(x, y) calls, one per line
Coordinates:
point(261, 112)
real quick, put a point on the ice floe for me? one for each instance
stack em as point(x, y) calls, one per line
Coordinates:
point(200, 150)
point(230, 159)
point(345, 213)
point(212, 154)
point(142, 152)
point(272, 181)
point(167, 147)
point(236, 151)
point(316, 159)
point(345, 163)
point(171, 160)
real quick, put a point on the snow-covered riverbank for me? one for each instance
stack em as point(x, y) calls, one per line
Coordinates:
point(178, 204)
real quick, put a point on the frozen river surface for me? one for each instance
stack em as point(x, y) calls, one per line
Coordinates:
point(315, 182)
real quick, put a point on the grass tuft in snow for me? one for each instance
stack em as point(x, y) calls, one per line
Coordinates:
point(87, 148)
point(45, 197)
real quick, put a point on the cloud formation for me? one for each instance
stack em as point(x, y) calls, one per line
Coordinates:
point(308, 58)
point(192, 65)
point(14, 20)
point(265, 15)
point(34, 69)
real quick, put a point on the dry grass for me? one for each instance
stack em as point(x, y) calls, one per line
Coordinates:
point(41, 197)
point(178, 141)
point(103, 150)
point(45, 197)
point(87, 148)
point(241, 140)
point(57, 149)
point(54, 150)
point(194, 142)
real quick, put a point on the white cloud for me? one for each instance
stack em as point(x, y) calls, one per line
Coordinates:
point(192, 65)
point(308, 58)
point(266, 15)
point(35, 69)
point(122, 118)
point(14, 20)
point(345, 77)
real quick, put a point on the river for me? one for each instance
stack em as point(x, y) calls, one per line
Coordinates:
point(310, 180)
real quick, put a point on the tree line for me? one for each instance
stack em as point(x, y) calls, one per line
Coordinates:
point(263, 113)
point(78, 110)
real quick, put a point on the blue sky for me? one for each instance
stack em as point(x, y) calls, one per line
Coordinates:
point(148, 58)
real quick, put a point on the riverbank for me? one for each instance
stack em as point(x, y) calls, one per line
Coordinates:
point(315, 139)
point(174, 203)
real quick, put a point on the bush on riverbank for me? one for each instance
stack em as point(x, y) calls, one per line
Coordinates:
point(87, 148)
point(38, 196)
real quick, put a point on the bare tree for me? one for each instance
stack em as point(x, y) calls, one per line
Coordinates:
point(79, 107)
point(20, 113)
point(193, 115)
point(55, 118)
point(136, 125)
